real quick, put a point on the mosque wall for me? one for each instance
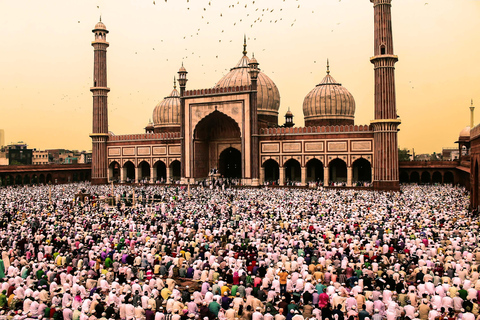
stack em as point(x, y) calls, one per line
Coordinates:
point(474, 168)
point(142, 152)
point(302, 145)
point(46, 173)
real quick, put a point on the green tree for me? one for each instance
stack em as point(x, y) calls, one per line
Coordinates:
point(403, 154)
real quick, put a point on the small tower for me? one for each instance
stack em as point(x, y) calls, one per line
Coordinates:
point(385, 125)
point(464, 136)
point(182, 81)
point(100, 106)
point(149, 128)
point(289, 119)
point(472, 115)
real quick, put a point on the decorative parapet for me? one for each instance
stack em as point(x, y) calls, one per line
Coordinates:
point(318, 129)
point(146, 136)
point(217, 91)
point(435, 164)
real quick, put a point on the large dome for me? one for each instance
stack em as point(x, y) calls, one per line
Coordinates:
point(329, 104)
point(268, 96)
point(166, 114)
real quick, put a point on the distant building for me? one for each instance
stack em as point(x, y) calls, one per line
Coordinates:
point(85, 157)
point(3, 157)
point(450, 154)
point(71, 160)
point(422, 157)
point(58, 156)
point(19, 154)
point(2, 138)
point(40, 157)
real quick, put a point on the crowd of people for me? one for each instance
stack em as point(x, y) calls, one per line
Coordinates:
point(171, 253)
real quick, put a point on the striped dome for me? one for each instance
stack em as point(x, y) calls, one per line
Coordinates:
point(329, 101)
point(167, 112)
point(268, 96)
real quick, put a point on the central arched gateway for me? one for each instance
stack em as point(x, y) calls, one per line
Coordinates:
point(216, 146)
point(230, 163)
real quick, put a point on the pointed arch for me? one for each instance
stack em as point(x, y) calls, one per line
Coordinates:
point(272, 171)
point(426, 178)
point(144, 167)
point(114, 169)
point(293, 170)
point(362, 170)
point(129, 168)
point(437, 177)
point(315, 171)
point(176, 167)
point(337, 169)
point(161, 169)
point(414, 177)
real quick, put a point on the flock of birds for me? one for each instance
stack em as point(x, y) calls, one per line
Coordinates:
point(207, 17)
point(220, 17)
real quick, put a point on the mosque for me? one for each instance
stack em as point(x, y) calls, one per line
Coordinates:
point(233, 128)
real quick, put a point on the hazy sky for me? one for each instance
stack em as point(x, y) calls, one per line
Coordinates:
point(46, 63)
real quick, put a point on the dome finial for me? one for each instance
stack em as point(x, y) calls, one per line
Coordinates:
point(174, 82)
point(244, 44)
point(328, 67)
point(100, 18)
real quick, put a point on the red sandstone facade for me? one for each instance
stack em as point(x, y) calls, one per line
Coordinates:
point(44, 174)
point(226, 128)
point(100, 106)
point(386, 122)
point(474, 168)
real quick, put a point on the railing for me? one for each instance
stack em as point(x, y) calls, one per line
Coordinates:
point(219, 90)
point(318, 129)
point(428, 164)
point(146, 136)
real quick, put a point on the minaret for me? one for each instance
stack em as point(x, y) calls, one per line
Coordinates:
point(182, 81)
point(472, 115)
point(385, 125)
point(100, 111)
point(254, 161)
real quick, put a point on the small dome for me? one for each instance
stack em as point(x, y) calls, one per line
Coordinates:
point(100, 26)
point(167, 112)
point(268, 96)
point(289, 113)
point(464, 134)
point(182, 69)
point(329, 103)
